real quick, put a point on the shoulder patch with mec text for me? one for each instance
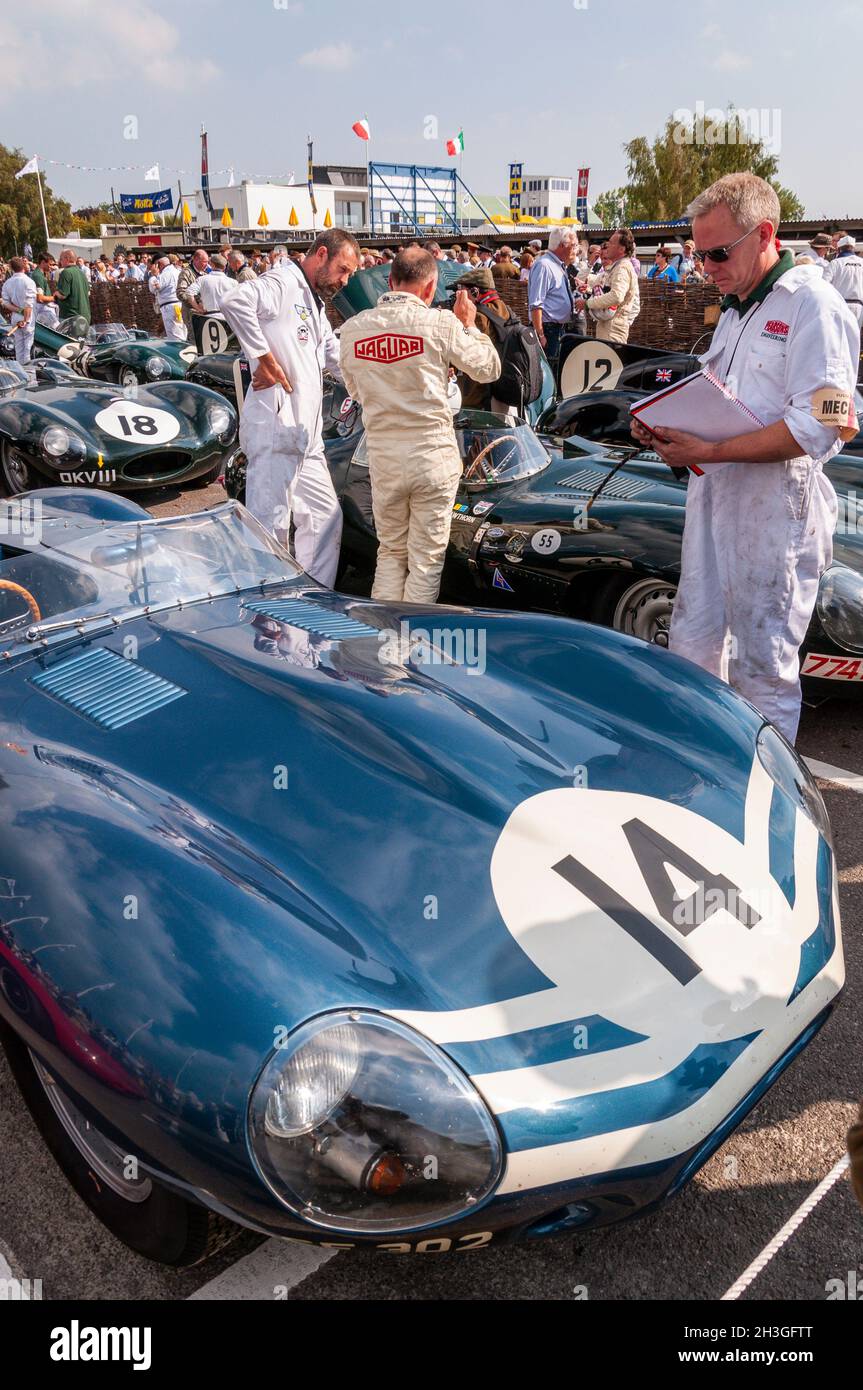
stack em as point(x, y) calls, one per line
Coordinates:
point(388, 347)
point(831, 406)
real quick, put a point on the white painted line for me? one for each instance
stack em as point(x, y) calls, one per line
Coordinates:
point(852, 781)
point(268, 1273)
point(742, 1284)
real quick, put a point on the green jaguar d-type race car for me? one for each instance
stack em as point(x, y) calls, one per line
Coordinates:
point(109, 351)
point(68, 432)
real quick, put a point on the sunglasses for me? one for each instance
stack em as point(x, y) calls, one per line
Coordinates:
point(721, 253)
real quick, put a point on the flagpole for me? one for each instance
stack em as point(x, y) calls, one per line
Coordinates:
point(42, 201)
point(369, 180)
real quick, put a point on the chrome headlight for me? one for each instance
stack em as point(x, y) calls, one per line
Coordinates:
point(786, 770)
point(840, 607)
point(357, 1123)
point(221, 421)
point(156, 367)
point(59, 443)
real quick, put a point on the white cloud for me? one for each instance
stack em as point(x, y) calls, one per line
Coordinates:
point(711, 31)
point(333, 57)
point(729, 61)
point(135, 42)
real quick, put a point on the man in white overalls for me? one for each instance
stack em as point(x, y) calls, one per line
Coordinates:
point(281, 324)
point(760, 521)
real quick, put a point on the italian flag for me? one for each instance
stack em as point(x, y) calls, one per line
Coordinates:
point(456, 145)
point(361, 128)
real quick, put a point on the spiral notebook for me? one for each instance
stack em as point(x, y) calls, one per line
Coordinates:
point(699, 404)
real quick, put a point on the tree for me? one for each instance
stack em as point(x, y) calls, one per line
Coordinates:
point(20, 211)
point(88, 221)
point(607, 206)
point(688, 155)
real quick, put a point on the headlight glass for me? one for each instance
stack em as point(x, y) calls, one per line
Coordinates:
point(360, 1124)
point(221, 421)
point(786, 770)
point(840, 607)
point(156, 367)
point(59, 443)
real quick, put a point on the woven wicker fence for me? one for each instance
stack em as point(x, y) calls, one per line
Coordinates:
point(132, 305)
point(671, 317)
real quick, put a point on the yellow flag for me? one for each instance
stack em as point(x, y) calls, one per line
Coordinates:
point(293, 220)
point(227, 219)
point(187, 215)
point(328, 221)
point(263, 220)
point(148, 218)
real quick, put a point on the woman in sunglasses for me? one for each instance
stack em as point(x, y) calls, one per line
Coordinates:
point(760, 517)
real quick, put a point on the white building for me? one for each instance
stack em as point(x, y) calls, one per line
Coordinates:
point(547, 195)
point(340, 190)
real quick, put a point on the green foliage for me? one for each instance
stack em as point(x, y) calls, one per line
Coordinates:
point(607, 206)
point(665, 175)
point(20, 213)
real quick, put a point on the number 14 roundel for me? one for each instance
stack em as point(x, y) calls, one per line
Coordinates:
point(127, 420)
point(643, 912)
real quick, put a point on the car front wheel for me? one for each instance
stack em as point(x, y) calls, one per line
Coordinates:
point(16, 474)
point(641, 608)
point(145, 1215)
point(127, 376)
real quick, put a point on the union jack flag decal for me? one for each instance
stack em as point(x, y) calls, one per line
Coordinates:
point(663, 374)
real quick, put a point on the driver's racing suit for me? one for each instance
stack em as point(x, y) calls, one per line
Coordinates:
point(395, 360)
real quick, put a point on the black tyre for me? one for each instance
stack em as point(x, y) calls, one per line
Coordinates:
point(143, 1214)
point(207, 478)
point(16, 474)
point(641, 607)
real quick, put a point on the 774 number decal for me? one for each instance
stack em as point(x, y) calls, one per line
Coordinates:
point(833, 668)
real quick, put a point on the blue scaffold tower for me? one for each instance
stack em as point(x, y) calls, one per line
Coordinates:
point(417, 198)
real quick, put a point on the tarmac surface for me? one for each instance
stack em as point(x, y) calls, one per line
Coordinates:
point(694, 1248)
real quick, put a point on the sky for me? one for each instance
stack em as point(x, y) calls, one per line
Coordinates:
point(555, 84)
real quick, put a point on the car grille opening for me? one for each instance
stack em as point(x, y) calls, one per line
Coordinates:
point(156, 467)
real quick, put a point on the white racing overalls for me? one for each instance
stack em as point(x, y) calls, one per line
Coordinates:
point(758, 536)
point(395, 361)
point(169, 304)
point(20, 291)
point(281, 431)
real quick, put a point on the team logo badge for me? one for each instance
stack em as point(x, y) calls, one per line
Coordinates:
point(388, 347)
point(303, 332)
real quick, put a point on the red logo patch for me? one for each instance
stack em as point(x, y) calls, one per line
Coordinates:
point(776, 326)
point(388, 347)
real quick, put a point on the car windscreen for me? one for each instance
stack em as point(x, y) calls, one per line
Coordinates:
point(495, 452)
point(83, 569)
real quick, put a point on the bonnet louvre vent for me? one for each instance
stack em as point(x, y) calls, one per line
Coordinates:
point(107, 688)
point(587, 480)
point(310, 618)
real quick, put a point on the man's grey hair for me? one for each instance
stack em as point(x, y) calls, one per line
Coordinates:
point(748, 198)
point(562, 236)
point(236, 256)
point(218, 261)
point(279, 251)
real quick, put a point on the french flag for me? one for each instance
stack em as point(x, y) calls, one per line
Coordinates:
point(361, 128)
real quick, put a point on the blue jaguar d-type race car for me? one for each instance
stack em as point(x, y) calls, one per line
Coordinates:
point(377, 925)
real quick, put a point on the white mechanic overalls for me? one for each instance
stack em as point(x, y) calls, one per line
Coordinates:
point(280, 431)
point(759, 535)
point(20, 290)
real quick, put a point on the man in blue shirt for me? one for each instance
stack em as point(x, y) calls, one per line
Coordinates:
point(549, 297)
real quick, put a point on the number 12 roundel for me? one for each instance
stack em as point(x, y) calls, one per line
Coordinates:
point(132, 423)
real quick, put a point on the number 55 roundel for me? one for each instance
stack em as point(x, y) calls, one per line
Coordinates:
point(124, 419)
